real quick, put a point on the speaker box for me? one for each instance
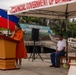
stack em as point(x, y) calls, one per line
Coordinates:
point(35, 34)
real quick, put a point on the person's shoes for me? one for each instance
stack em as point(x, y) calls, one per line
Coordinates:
point(18, 66)
point(58, 66)
point(52, 66)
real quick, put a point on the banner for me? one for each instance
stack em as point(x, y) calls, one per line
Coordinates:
point(37, 4)
point(44, 31)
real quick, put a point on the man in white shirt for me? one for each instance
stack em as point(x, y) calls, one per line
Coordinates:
point(60, 51)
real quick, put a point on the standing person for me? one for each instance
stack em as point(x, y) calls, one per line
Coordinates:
point(60, 51)
point(21, 51)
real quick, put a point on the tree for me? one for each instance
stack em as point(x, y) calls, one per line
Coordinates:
point(57, 25)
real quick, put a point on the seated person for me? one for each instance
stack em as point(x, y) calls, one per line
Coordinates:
point(60, 51)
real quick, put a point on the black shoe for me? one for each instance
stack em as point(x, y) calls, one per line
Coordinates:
point(52, 66)
point(58, 66)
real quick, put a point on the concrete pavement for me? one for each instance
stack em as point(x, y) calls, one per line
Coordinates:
point(37, 67)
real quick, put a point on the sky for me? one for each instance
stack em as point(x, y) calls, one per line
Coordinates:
point(5, 4)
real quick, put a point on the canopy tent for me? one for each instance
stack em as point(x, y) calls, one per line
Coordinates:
point(53, 12)
point(46, 8)
point(40, 8)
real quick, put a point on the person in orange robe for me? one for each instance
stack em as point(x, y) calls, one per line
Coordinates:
point(21, 51)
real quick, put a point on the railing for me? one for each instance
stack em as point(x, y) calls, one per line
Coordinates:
point(48, 44)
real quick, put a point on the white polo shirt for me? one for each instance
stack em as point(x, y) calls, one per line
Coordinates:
point(61, 44)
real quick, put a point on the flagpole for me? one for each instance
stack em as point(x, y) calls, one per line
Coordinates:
point(8, 23)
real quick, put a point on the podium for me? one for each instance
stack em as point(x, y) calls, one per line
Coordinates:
point(7, 53)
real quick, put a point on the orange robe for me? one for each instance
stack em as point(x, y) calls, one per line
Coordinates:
point(21, 51)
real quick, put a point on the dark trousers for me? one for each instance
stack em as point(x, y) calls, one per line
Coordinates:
point(55, 57)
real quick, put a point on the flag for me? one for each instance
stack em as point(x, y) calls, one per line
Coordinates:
point(8, 21)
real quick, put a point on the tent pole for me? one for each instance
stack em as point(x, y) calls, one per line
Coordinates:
point(66, 18)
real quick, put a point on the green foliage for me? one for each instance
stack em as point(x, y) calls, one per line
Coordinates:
point(72, 29)
point(56, 27)
point(3, 29)
point(30, 20)
point(61, 28)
